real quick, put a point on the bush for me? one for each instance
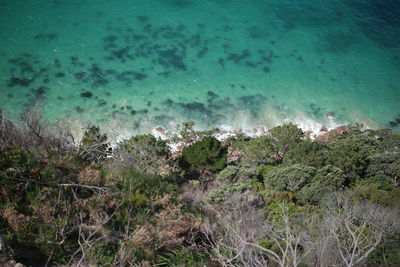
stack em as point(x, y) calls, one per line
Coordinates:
point(103, 253)
point(311, 153)
point(327, 180)
point(229, 173)
point(233, 174)
point(258, 151)
point(285, 138)
point(147, 145)
point(385, 140)
point(289, 178)
point(94, 145)
point(18, 159)
point(145, 153)
point(385, 165)
point(207, 154)
point(364, 190)
point(351, 157)
point(220, 193)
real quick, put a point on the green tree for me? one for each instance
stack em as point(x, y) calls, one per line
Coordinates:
point(289, 178)
point(384, 165)
point(351, 157)
point(327, 180)
point(284, 138)
point(258, 151)
point(94, 145)
point(145, 153)
point(307, 152)
point(207, 154)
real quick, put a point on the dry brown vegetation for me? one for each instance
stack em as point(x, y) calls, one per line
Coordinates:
point(276, 200)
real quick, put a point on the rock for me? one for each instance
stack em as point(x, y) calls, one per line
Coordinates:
point(160, 129)
point(323, 129)
point(337, 131)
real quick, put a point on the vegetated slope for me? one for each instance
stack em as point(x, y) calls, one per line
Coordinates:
point(278, 199)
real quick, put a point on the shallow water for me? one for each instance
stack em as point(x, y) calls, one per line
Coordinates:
point(225, 63)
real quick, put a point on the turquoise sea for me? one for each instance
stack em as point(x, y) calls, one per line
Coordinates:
point(138, 64)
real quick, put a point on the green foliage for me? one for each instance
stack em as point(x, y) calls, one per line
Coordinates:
point(103, 253)
point(351, 157)
point(385, 139)
point(387, 253)
point(307, 152)
point(95, 145)
point(18, 159)
point(289, 178)
point(140, 199)
point(382, 182)
point(273, 197)
point(147, 145)
point(258, 151)
point(264, 170)
point(385, 166)
point(145, 153)
point(207, 154)
point(93, 136)
point(285, 137)
point(229, 173)
point(135, 190)
point(187, 132)
point(220, 193)
point(148, 184)
point(234, 140)
point(269, 150)
point(233, 174)
point(327, 180)
point(364, 190)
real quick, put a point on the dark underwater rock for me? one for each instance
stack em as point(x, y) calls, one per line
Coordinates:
point(19, 81)
point(87, 94)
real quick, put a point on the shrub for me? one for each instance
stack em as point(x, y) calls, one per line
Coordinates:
point(274, 197)
point(18, 159)
point(220, 193)
point(311, 153)
point(364, 190)
point(149, 184)
point(351, 157)
point(207, 154)
point(385, 165)
point(326, 180)
point(382, 182)
point(289, 178)
point(94, 145)
point(146, 145)
point(103, 253)
point(285, 137)
point(237, 173)
point(385, 140)
point(229, 173)
point(181, 257)
point(145, 153)
point(258, 151)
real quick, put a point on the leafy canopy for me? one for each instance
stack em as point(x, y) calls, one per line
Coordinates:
point(205, 154)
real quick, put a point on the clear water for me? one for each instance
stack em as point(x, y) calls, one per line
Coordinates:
point(226, 63)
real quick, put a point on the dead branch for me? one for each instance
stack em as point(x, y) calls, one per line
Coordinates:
point(27, 181)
